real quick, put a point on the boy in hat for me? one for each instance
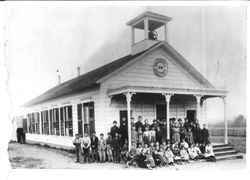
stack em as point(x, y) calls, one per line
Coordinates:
point(94, 147)
point(77, 144)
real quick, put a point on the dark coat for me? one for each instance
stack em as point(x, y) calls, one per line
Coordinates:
point(164, 130)
point(139, 124)
point(94, 142)
point(114, 130)
point(124, 129)
point(159, 136)
point(205, 135)
point(116, 143)
point(197, 133)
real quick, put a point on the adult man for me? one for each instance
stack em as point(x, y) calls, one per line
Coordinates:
point(123, 130)
point(139, 124)
point(114, 129)
point(205, 134)
point(94, 147)
point(85, 144)
point(154, 124)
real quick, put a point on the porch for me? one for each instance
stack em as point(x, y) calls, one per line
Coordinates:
point(167, 103)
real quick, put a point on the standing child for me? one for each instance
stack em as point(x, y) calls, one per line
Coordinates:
point(94, 147)
point(146, 136)
point(116, 145)
point(134, 136)
point(124, 151)
point(77, 144)
point(190, 138)
point(140, 136)
point(102, 148)
point(109, 147)
point(152, 135)
point(85, 147)
point(159, 135)
point(205, 134)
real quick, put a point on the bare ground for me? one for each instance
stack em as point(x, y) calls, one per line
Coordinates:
point(31, 156)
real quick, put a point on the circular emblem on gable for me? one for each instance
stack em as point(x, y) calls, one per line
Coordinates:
point(160, 67)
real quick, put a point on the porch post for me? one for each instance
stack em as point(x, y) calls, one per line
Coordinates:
point(167, 97)
point(225, 120)
point(198, 100)
point(40, 122)
point(59, 121)
point(128, 99)
point(49, 121)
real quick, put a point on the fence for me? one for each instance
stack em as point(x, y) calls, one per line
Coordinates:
point(219, 131)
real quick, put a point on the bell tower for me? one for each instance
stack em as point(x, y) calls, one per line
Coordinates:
point(149, 22)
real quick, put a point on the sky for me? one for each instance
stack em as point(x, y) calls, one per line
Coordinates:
point(44, 38)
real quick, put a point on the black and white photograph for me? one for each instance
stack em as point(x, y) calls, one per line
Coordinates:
point(125, 87)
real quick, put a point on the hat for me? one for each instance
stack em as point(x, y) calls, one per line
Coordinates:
point(114, 121)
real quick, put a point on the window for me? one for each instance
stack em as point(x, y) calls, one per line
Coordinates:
point(24, 122)
point(62, 117)
point(68, 121)
point(45, 120)
point(79, 115)
point(89, 117)
point(33, 126)
point(56, 121)
point(51, 120)
point(37, 122)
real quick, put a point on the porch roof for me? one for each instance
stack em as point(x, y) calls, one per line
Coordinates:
point(163, 90)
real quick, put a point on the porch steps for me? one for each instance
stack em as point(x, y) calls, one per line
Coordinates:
point(225, 151)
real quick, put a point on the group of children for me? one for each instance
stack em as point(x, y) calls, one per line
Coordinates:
point(150, 146)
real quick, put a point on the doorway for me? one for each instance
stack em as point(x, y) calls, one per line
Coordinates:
point(191, 115)
point(161, 111)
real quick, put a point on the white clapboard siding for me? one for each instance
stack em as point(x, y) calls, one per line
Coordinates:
point(141, 73)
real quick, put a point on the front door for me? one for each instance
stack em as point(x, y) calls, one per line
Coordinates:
point(191, 115)
point(122, 115)
point(161, 111)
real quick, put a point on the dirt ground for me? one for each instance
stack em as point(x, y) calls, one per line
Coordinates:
point(36, 157)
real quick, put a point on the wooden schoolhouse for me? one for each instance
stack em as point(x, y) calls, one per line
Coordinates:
point(154, 81)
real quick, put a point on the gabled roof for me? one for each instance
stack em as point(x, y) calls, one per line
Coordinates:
point(83, 82)
point(93, 78)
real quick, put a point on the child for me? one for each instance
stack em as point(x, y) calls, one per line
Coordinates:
point(94, 147)
point(170, 156)
point(116, 146)
point(205, 134)
point(162, 157)
point(184, 154)
point(146, 136)
point(193, 153)
point(150, 158)
point(197, 149)
point(140, 136)
point(145, 148)
point(177, 157)
point(102, 148)
point(77, 144)
point(175, 145)
point(85, 147)
point(203, 148)
point(190, 138)
point(164, 145)
point(159, 135)
point(132, 156)
point(152, 135)
point(109, 147)
point(184, 144)
point(134, 136)
point(139, 149)
point(124, 151)
point(209, 153)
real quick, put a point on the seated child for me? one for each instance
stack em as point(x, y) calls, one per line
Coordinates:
point(162, 157)
point(202, 148)
point(184, 144)
point(124, 151)
point(132, 156)
point(150, 159)
point(152, 135)
point(176, 144)
point(139, 148)
point(184, 154)
point(197, 148)
point(156, 156)
point(164, 145)
point(192, 153)
point(170, 156)
point(157, 145)
point(177, 156)
point(143, 162)
point(209, 153)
